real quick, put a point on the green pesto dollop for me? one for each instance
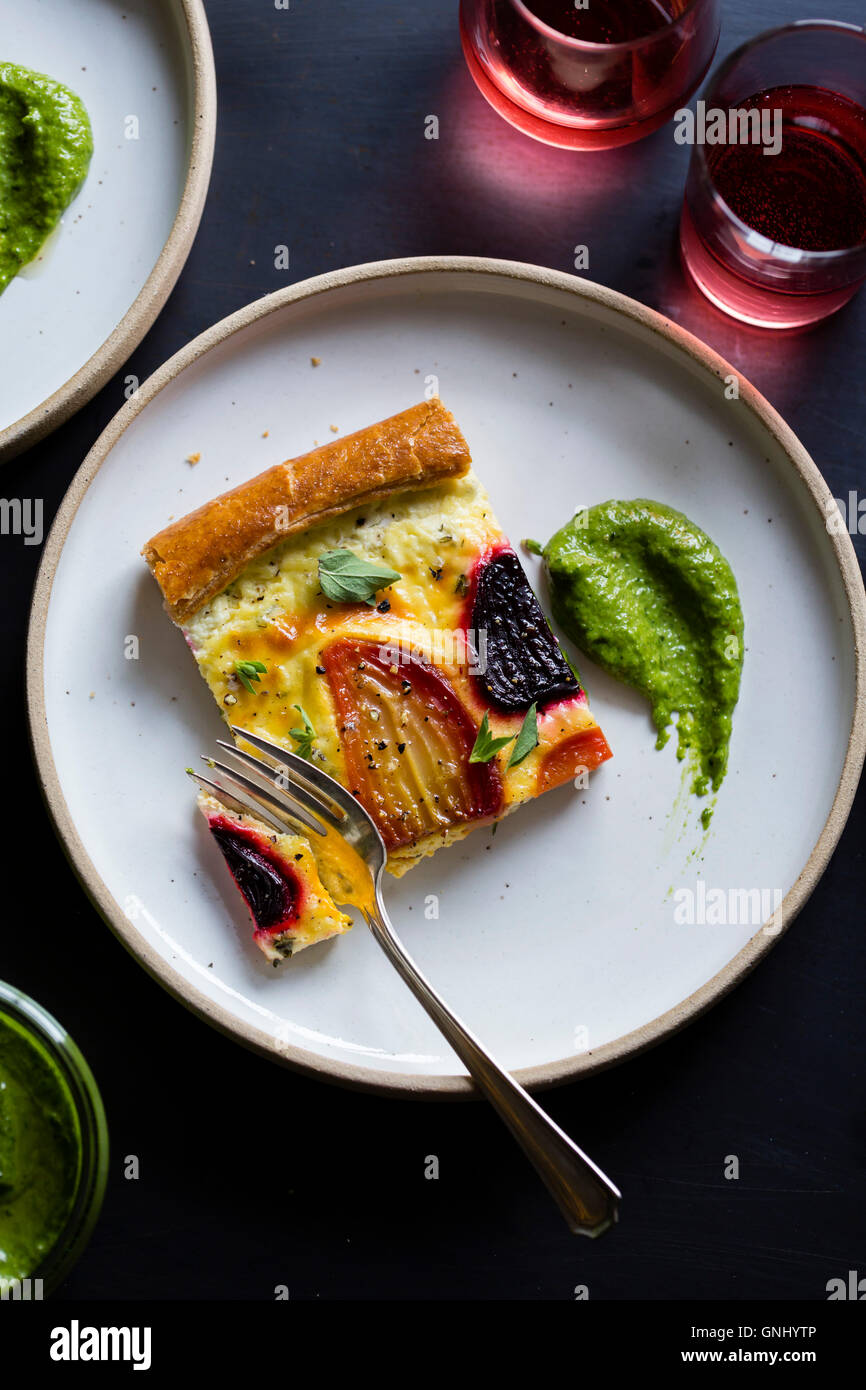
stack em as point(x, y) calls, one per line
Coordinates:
point(40, 1151)
point(649, 596)
point(45, 149)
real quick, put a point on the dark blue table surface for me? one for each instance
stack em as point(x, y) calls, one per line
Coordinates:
point(251, 1176)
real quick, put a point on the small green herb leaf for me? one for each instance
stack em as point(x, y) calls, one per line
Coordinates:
point(249, 671)
point(486, 746)
point(348, 578)
point(527, 739)
point(571, 666)
point(534, 547)
point(303, 737)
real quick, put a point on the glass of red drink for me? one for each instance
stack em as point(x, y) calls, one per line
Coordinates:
point(588, 74)
point(778, 239)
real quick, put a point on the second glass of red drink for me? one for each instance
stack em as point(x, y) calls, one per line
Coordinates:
point(774, 227)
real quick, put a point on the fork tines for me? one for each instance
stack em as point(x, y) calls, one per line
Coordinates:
point(270, 787)
point(301, 773)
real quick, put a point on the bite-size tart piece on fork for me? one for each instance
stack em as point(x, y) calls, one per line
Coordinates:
point(278, 879)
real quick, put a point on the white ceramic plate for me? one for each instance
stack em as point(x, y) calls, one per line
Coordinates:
point(71, 318)
point(556, 939)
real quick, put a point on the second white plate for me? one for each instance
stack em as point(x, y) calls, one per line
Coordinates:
point(144, 70)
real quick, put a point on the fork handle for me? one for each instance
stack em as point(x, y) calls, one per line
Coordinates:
point(586, 1197)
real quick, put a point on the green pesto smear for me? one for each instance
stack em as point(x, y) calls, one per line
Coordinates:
point(648, 596)
point(40, 1151)
point(45, 149)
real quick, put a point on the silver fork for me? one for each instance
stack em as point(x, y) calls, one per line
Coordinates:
point(284, 789)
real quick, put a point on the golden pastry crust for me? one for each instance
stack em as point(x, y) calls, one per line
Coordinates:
point(194, 558)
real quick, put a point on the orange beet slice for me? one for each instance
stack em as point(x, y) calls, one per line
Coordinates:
point(582, 752)
point(406, 739)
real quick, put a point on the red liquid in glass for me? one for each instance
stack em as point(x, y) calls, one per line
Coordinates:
point(594, 97)
point(607, 23)
point(812, 194)
point(806, 203)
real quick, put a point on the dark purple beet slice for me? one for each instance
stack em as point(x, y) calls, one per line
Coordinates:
point(524, 662)
point(272, 897)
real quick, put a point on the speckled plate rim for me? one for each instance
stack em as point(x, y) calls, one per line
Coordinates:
point(125, 338)
point(397, 1083)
